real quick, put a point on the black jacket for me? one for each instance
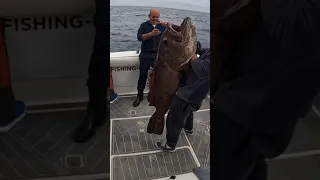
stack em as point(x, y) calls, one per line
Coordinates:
point(152, 44)
point(275, 69)
point(195, 85)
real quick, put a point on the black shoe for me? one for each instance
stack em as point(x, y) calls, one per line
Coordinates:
point(101, 115)
point(86, 130)
point(165, 147)
point(138, 99)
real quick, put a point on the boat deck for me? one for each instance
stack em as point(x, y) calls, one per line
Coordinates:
point(41, 147)
point(134, 155)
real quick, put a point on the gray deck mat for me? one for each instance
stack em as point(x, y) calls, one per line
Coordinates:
point(122, 108)
point(131, 142)
point(41, 146)
point(200, 140)
point(130, 136)
point(152, 166)
point(306, 140)
point(203, 173)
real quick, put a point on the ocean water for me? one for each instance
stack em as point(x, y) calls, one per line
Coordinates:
point(125, 22)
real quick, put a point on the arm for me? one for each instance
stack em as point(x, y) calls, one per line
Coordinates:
point(141, 36)
point(201, 66)
point(293, 23)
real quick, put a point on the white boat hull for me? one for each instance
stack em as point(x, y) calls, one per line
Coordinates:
point(125, 58)
point(125, 71)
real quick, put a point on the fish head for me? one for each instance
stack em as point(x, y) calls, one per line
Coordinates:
point(178, 44)
point(186, 24)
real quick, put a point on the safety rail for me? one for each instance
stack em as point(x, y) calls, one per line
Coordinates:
point(127, 58)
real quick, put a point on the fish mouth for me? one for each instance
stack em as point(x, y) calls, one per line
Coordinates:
point(181, 40)
point(186, 23)
point(178, 31)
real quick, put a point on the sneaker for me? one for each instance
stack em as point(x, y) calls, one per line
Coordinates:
point(164, 147)
point(188, 132)
point(18, 115)
point(114, 98)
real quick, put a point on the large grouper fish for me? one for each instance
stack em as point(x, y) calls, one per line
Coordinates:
point(177, 45)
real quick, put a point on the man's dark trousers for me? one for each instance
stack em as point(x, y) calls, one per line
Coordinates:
point(180, 116)
point(99, 62)
point(147, 60)
point(98, 80)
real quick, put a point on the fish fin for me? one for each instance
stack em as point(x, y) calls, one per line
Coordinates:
point(151, 79)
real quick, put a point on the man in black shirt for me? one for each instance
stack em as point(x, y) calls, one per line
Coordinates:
point(149, 33)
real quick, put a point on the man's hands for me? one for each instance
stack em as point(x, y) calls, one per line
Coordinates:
point(155, 31)
point(164, 23)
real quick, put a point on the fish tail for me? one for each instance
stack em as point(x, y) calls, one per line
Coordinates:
point(155, 125)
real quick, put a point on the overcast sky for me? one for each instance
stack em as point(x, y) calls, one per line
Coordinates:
point(196, 5)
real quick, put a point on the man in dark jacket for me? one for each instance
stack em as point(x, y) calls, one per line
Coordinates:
point(194, 88)
point(149, 33)
point(268, 83)
point(98, 80)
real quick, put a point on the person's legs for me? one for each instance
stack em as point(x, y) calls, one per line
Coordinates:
point(98, 81)
point(175, 121)
point(11, 111)
point(188, 127)
point(146, 61)
point(233, 153)
point(112, 95)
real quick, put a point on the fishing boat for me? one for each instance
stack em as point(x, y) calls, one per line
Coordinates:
point(49, 50)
